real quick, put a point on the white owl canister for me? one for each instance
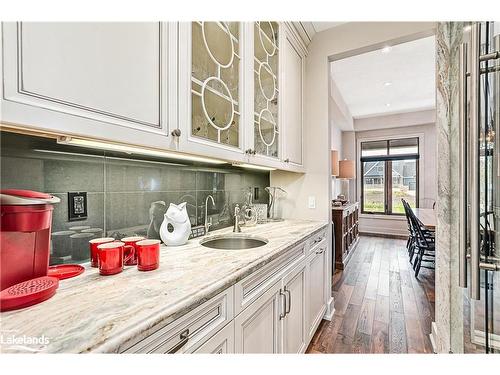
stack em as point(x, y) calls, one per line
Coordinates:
point(176, 227)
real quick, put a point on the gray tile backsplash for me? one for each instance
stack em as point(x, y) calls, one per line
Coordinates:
point(121, 191)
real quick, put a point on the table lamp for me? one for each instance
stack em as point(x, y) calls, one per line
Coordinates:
point(346, 173)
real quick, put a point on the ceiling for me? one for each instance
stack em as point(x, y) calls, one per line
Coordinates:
point(322, 26)
point(398, 80)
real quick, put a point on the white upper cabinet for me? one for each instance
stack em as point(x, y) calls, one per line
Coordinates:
point(292, 100)
point(211, 112)
point(266, 59)
point(229, 90)
point(89, 78)
point(277, 78)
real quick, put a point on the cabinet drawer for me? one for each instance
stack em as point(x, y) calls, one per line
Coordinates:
point(249, 289)
point(314, 241)
point(320, 247)
point(187, 332)
point(220, 343)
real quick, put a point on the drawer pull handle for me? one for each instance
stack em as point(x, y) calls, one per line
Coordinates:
point(320, 251)
point(283, 314)
point(287, 311)
point(184, 336)
point(319, 239)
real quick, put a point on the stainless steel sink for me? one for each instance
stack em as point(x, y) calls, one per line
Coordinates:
point(233, 242)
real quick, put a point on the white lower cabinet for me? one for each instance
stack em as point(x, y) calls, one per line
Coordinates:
point(294, 337)
point(275, 322)
point(188, 332)
point(220, 343)
point(316, 267)
point(258, 328)
point(276, 309)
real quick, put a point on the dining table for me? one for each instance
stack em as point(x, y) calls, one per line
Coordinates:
point(427, 216)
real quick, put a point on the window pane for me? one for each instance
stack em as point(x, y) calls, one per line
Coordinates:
point(404, 184)
point(403, 146)
point(373, 186)
point(374, 148)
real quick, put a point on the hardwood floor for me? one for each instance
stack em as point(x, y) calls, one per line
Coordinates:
point(380, 307)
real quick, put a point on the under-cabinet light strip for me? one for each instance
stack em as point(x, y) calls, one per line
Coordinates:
point(252, 166)
point(135, 150)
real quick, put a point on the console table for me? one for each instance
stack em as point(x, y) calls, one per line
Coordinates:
point(346, 232)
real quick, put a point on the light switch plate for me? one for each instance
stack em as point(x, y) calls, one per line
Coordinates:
point(312, 201)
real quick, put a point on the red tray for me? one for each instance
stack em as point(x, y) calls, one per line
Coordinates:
point(28, 293)
point(65, 271)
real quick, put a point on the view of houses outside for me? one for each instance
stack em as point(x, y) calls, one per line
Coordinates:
point(404, 185)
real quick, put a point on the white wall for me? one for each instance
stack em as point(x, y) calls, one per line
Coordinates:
point(316, 181)
point(395, 120)
point(349, 153)
point(317, 136)
point(427, 175)
point(340, 119)
point(336, 145)
point(339, 113)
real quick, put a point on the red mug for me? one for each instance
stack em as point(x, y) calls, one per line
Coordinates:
point(112, 256)
point(94, 256)
point(132, 241)
point(148, 255)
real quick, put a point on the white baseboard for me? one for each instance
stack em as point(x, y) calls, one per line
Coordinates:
point(330, 310)
point(433, 336)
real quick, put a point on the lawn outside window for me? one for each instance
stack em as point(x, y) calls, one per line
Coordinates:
point(389, 172)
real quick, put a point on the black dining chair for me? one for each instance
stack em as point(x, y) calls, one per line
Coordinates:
point(410, 243)
point(425, 248)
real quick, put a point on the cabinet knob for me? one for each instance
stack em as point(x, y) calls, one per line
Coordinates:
point(176, 133)
point(287, 160)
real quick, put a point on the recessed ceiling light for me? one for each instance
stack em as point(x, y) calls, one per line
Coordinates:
point(387, 104)
point(387, 83)
point(386, 49)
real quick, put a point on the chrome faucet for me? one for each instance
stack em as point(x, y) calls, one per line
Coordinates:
point(208, 221)
point(236, 227)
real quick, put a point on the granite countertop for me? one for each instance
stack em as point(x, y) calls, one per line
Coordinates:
point(99, 313)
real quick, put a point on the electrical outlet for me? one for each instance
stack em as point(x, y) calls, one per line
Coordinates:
point(312, 201)
point(77, 206)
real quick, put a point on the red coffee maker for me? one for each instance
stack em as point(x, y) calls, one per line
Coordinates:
point(26, 220)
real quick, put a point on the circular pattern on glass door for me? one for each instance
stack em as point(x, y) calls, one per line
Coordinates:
point(218, 43)
point(267, 81)
point(267, 37)
point(217, 103)
point(267, 127)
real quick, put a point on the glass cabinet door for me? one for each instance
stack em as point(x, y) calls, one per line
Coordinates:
point(266, 88)
point(480, 115)
point(215, 82)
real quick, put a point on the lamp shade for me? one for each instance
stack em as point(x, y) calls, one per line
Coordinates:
point(346, 169)
point(335, 163)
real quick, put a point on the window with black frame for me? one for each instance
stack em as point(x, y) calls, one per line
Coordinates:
point(389, 172)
